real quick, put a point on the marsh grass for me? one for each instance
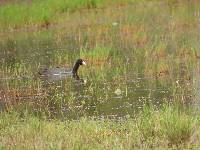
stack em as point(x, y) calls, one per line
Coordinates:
point(15, 15)
point(177, 126)
point(147, 123)
point(150, 128)
point(99, 59)
point(136, 49)
point(119, 47)
point(30, 13)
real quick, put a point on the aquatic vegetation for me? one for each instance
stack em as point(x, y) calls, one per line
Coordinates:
point(42, 13)
point(150, 129)
point(15, 15)
point(123, 51)
point(147, 123)
point(177, 128)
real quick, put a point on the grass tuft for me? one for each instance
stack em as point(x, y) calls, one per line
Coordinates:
point(151, 128)
point(177, 126)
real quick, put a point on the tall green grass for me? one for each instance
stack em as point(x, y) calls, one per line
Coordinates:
point(165, 128)
point(39, 12)
point(42, 13)
point(19, 14)
point(177, 126)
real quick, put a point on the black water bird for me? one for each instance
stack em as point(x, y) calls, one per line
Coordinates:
point(59, 73)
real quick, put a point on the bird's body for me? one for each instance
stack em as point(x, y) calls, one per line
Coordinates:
point(60, 73)
point(55, 71)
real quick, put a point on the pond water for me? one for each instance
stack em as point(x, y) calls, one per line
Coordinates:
point(130, 63)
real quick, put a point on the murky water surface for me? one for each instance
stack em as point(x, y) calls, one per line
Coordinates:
point(129, 63)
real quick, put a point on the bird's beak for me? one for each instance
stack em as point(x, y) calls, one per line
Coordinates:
point(84, 63)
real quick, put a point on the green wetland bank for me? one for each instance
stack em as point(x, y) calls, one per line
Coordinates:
point(140, 87)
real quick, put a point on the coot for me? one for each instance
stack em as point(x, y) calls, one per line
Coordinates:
point(59, 73)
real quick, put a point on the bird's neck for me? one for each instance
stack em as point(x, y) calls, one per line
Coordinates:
point(75, 69)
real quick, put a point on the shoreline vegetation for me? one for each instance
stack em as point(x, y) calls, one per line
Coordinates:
point(15, 15)
point(34, 14)
point(169, 127)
